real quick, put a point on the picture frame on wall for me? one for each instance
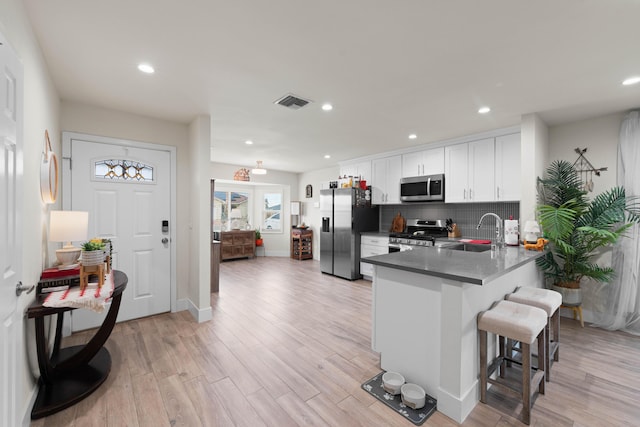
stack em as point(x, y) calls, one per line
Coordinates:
point(309, 191)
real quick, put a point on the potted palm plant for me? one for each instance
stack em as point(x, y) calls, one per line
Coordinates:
point(578, 228)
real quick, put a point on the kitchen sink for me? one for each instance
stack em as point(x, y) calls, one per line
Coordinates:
point(468, 247)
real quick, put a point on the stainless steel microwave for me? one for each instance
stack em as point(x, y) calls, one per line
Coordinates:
point(428, 188)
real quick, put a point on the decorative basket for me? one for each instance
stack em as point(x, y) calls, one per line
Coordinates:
point(92, 257)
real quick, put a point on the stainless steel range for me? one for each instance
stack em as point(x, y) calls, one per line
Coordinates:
point(420, 232)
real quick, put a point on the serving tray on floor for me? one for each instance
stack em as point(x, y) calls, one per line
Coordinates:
point(416, 416)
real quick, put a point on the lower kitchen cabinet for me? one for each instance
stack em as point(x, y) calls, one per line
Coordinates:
point(237, 244)
point(370, 246)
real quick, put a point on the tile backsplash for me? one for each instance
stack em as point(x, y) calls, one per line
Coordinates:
point(466, 215)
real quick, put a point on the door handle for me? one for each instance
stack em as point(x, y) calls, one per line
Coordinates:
point(165, 240)
point(20, 288)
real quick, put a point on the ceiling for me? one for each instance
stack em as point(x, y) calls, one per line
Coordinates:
point(390, 68)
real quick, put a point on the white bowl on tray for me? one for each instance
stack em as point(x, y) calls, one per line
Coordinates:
point(392, 382)
point(413, 395)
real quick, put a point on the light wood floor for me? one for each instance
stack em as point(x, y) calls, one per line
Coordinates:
point(290, 346)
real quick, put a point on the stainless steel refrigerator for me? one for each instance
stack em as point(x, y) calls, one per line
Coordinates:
point(345, 214)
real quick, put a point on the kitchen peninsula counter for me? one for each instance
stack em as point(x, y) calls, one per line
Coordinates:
point(478, 268)
point(424, 309)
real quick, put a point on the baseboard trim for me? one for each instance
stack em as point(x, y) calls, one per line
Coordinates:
point(26, 417)
point(200, 315)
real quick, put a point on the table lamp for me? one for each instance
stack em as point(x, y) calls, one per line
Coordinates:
point(531, 231)
point(67, 227)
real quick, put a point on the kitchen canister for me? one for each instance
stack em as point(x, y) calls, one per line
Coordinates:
point(511, 232)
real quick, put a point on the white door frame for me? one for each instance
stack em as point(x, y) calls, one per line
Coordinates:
point(67, 137)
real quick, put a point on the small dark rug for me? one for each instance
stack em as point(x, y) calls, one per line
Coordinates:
point(416, 416)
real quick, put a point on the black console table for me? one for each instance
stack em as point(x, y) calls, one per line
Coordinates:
point(71, 374)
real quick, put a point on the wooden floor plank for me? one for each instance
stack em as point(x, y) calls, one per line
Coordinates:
point(150, 406)
point(177, 402)
point(269, 411)
point(236, 404)
point(299, 411)
point(206, 404)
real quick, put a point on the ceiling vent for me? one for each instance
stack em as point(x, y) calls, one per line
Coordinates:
point(292, 102)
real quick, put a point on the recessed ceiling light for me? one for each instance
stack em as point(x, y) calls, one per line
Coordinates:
point(327, 107)
point(248, 142)
point(146, 68)
point(327, 156)
point(413, 136)
point(631, 81)
point(484, 110)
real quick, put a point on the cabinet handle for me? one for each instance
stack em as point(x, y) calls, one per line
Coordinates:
point(464, 194)
point(470, 196)
point(498, 191)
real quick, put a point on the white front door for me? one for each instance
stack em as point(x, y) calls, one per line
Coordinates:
point(127, 192)
point(11, 327)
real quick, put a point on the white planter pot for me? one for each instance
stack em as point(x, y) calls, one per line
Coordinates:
point(92, 257)
point(569, 296)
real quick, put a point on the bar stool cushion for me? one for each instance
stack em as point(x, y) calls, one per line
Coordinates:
point(545, 299)
point(512, 320)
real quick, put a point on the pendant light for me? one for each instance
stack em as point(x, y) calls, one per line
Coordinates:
point(259, 170)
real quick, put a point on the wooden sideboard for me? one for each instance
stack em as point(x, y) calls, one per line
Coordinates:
point(237, 244)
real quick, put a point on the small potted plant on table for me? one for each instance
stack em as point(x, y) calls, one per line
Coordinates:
point(259, 241)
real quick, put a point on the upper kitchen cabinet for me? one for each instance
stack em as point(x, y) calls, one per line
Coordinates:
point(385, 180)
point(426, 162)
point(469, 172)
point(357, 169)
point(508, 177)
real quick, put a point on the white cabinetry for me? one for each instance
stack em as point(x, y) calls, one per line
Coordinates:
point(385, 180)
point(370, 246)
point(508, 170)
point(469, 172)
point(419, 163)
point(357, 169)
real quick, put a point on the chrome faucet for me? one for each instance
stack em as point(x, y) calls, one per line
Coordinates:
point(499, 233)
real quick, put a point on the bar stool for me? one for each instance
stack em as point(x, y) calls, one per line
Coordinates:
point(550, 301)
point(518, 322)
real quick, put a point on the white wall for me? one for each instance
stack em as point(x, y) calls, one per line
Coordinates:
point(310, 213)
point(41, 111)
point(93, 120)
point(533, 157)
point(599, 136)
point(200, 235)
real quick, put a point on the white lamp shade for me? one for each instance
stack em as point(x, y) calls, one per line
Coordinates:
point(68, 226)
point(236, 213)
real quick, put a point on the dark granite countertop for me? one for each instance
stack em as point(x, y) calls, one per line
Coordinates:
point(477, 268)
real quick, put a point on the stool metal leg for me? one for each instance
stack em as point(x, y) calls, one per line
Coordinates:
point(555, 320)
point(526, 383)
point(547, 359)
point(543, 364)
point(483, 366)
point(503, 365)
